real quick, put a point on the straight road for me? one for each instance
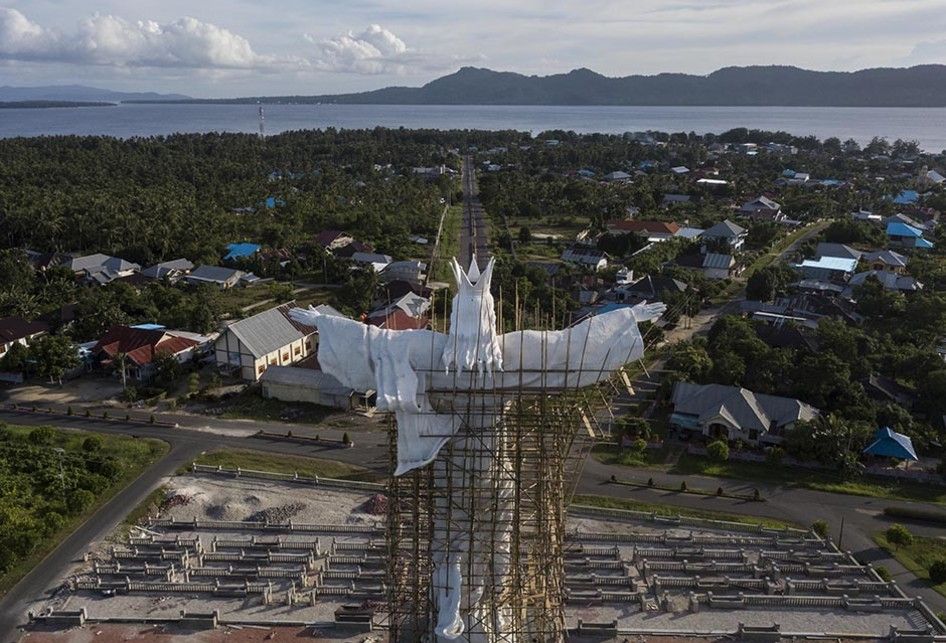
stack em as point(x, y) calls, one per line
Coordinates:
point(41, 581)
point(474, 232)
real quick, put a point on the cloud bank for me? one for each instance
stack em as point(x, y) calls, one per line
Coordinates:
point(188, 43)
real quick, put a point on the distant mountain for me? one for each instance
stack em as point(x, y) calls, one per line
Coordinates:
point(79, 93)
point(921, 86)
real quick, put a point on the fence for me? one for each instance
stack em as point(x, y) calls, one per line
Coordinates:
point(586, 511)
point(289, 477)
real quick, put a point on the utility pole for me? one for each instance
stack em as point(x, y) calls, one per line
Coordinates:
point(841, 532)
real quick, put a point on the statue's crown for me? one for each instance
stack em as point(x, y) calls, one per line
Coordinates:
point(473, 279)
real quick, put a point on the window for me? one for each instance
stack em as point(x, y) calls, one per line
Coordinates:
point(296, 350)
point(262, 367)
point(285, 357)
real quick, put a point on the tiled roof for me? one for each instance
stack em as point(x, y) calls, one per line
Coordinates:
point(140, 345)
point(15, 328)
point(644, 226)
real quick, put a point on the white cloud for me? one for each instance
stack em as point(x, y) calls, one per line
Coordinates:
point(375, 50)
point(112, 41)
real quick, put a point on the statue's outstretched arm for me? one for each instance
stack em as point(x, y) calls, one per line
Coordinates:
point(649, 312)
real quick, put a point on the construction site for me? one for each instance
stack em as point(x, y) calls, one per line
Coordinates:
point(228, 554)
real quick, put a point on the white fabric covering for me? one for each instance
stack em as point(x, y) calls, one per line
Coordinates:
point(407, 369)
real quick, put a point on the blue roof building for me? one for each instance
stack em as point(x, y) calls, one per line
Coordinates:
point(907, 197)
point(890, 444)
point(271, 202)
point(907, 236)
point(241, 250)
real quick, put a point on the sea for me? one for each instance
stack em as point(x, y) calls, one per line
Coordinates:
point(924, 125)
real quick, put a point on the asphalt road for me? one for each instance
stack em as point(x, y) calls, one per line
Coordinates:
point(474, 232)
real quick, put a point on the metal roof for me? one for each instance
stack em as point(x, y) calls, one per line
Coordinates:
point(740, 406)
point(830, 263)
point(726, 229)
point(269, 331)
point(890, 444)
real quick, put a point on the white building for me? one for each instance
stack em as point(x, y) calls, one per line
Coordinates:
point(269, 338)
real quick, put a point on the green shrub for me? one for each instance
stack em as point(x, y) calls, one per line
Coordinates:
point(639, 446)
point(42, 436)
point(69, 411)
point(718, 451)
point(683, 486)
point(92, 444)
point(899, 536)
point(937, 572)
point(345, 439)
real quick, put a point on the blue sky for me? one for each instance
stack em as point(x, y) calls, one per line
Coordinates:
point(249, 47)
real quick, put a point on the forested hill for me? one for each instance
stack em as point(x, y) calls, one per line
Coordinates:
point(921, 86)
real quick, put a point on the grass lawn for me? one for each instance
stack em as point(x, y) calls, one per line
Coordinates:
point(612, 454)
point(449, 244)
point(815, 480)
point(134, 454)
point(279, 463)
point(663, 510)
point(918, 556)
point(249, 404)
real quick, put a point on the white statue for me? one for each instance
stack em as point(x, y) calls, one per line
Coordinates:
point(422, 376)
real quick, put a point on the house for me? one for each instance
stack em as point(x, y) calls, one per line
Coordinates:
point(100, 269)
point(680, 169)
point(934, 177)
point(295, 384)
point(734, 413)
point(586, 256)
point(173, 270)
point(889, 280)
point(236, 251)
point(839, 250)
point(330, 240)
point(830, 269)
point(16, 330)
point(718, 265)
point(670, 200)
point(726, 232)
point(649, 229)
point(410, 270)
point(902, 235)
point(617, 177)
point(763, 208)
point(886, 260)
point(375, 261)
point(647, 288)
point(218, 276)
point(135, 348)
point(886, 389)
point(866, 215)
point(890, 444)
point(713, 185)
point(907, 197)
point(269, 338)
point(407, 312)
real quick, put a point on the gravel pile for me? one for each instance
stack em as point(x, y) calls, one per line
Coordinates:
point(377, 505)
point(281, 513)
